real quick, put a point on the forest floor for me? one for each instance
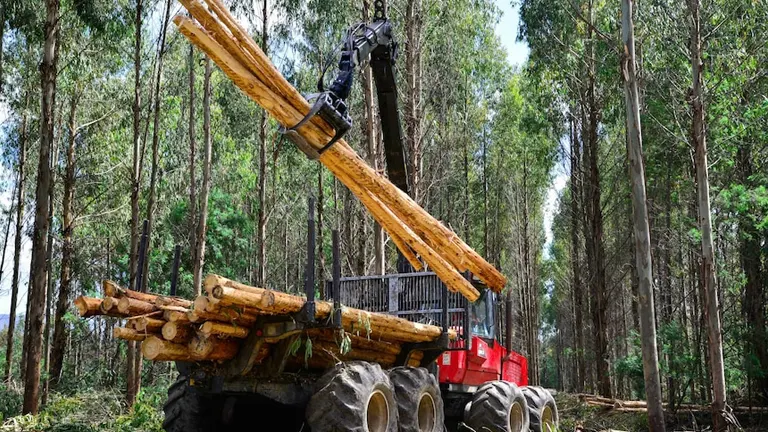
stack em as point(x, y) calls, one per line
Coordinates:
point(96, 411)
point(576, 415)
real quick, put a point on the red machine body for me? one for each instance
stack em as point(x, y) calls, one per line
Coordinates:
point(486, 360)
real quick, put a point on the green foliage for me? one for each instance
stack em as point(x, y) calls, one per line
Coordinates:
point(92, 411)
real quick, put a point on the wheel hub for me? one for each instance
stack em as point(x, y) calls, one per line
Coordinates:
point(548, 419)
point(377, 412)
point(516, 417)
point(427, 413)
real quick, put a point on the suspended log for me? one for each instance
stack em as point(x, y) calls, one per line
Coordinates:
point(210, 328)
point(176, 332)
point(237, 55)
point(156, 349)
point(131, 306)
point(148, 324)
point(212, 348)
point(128, 334)
point(88, 306)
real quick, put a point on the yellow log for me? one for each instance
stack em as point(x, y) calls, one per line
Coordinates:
point(131, 306)
point(211, 348)
point(177, 333)
point(211, 328)
point(158, 349)
point(88, 306)
point(128, 334)
point(148, 324)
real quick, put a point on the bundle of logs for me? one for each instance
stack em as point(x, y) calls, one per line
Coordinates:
point(212, 327)
point(418, 235)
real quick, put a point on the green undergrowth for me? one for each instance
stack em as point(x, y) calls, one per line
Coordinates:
point(91, 411)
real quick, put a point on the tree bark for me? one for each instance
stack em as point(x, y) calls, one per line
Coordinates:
point(575, 261)
point(37, 291)
point(23, 136)
point(413, 93)
point(262, 216)
point(711, 302)
point(155, 146)
point(642, 234)
point(132, 374)
point(594, 214)
point(65, 281)
point(373, 154)
point(192, 151)
point(203, 221)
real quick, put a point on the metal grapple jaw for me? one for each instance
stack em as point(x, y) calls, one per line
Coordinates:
point(330, 108)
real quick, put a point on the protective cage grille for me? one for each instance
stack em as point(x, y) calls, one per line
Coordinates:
point(417, 297)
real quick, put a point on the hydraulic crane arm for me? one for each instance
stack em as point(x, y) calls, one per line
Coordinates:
point(373, 44)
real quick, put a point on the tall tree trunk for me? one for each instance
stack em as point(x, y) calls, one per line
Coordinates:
point(754, 293)
point(262, 216)
point(642, 232)
point(192, 150)
point(203, 221)
point(596, 249)
point(155, 146)
point(373, 154)
point(578, 296)
point(413, 93)
point(132, 384)
point(49, 261)
point(65, 281)
point(37, 289)
point(711, 302)
point(23, 136)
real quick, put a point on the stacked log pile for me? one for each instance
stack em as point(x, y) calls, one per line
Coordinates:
point(212, 327)
point(415, 232)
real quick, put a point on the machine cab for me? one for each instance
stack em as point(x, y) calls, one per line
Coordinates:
point(482, 357)
point(482, 319)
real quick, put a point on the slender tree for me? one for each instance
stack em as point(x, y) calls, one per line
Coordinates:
point(155, 143)
point(67, 249)
point(711, 301)
point(578, 296)
point(192, 158)
point(23, 136)
point(37, 291)
point(262, 215)
point(202, 223)
point(373, 153)
point(132, 372)
point(642, 234)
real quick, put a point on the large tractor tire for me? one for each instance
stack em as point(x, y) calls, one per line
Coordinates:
point(419, 404)
point(353, 397)
point(542, 409)
point(498, 406)
point(186, 410)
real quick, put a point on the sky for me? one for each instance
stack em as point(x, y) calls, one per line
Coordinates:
point(517, 54)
